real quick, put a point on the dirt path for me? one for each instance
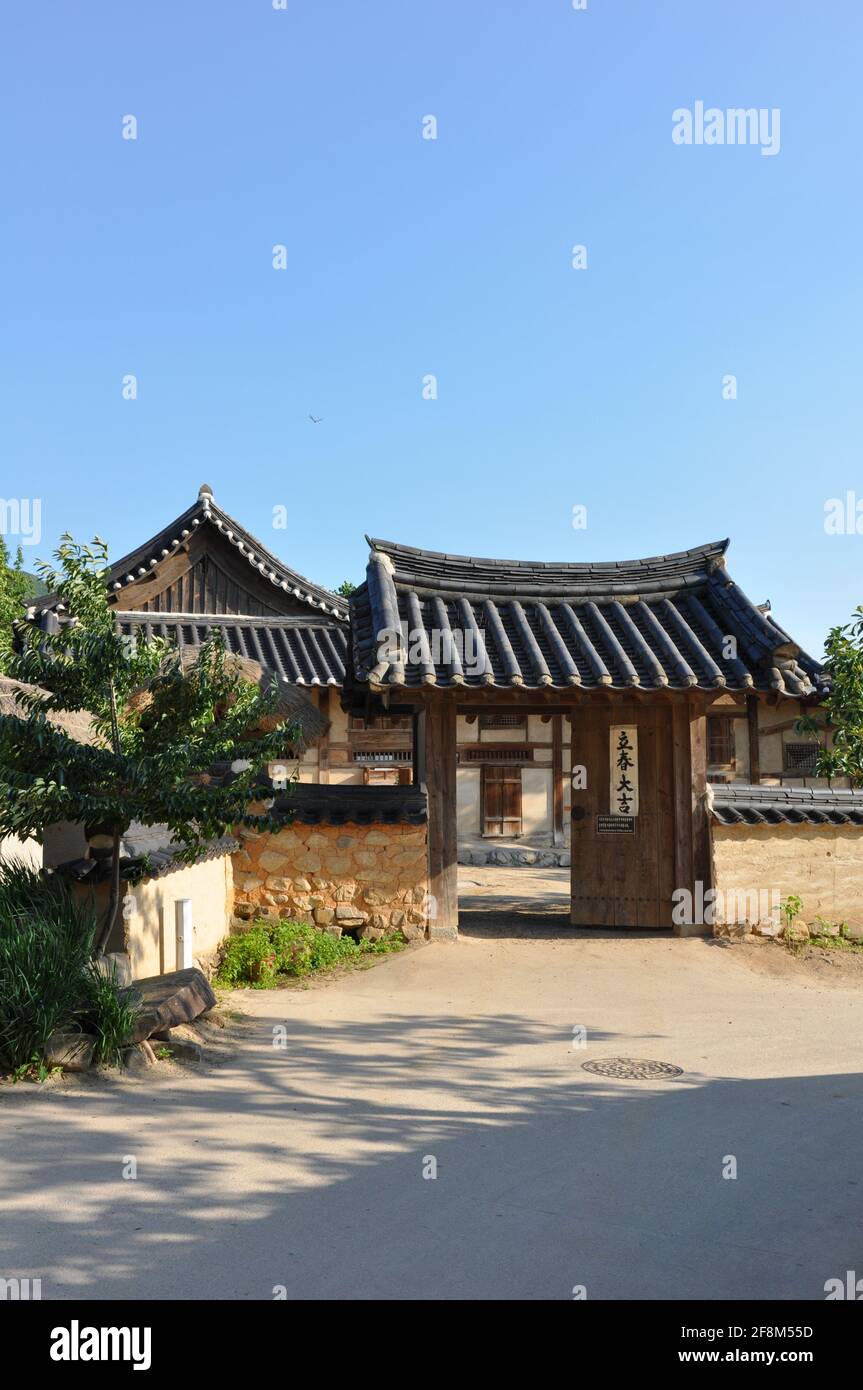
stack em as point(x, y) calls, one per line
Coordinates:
point(304, 1166)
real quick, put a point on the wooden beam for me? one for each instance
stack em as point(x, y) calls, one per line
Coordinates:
point(754, 746)
point(440, 765)
point(419, 747)
point(557, 778)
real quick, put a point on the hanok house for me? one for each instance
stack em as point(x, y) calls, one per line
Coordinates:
point(589, 703)
point(636, 720)
point(203, 573)
point(206, 573)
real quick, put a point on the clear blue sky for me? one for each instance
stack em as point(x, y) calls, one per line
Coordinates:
point(557, 387)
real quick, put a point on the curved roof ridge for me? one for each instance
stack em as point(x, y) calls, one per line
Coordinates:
point(207, 511)
point(711, 550)
point(433, 570)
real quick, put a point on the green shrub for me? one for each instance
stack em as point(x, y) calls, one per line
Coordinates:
point(270, 951)
point(302, 948)
point(47, 975)
point(106, 1011)
point(249, 959)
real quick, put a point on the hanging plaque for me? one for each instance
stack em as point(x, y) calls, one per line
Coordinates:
point(623, 753)
point(615, 825)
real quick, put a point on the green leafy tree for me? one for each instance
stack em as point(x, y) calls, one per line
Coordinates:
point(16, 589)
point(842, 709)
point(162, 725)
point(346, 588)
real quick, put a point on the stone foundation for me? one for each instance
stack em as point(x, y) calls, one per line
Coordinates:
point(364, 879)
point(519, 856)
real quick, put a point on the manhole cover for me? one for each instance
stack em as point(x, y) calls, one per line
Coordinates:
point(632, 1068)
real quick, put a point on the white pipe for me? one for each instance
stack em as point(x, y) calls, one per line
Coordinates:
point(183, 910)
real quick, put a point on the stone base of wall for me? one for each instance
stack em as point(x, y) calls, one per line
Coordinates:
point(366, 880)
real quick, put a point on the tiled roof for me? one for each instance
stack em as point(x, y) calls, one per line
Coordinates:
point(660, 622)
point(303, 651)
point(155, 864)
point(148, 557)
point(738, 804)
point(320, 804)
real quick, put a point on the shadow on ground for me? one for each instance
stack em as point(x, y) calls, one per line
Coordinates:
point(303, 1167)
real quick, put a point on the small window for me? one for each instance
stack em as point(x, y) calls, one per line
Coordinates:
point(720, 740)
point(800, 757)
point(503, 721)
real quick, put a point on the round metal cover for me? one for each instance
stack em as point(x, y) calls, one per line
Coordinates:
point(632, 1069)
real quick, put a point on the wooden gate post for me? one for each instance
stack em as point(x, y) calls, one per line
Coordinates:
point(440, 771)
point(702, 838)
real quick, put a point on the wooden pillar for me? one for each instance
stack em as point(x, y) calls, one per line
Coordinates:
point(754, 746)
point(557, 778)
point(702, 837)
point(324, 740)
point(439, 746)
point(419, 747)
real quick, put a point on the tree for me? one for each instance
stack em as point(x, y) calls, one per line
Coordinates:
point(843, 705)
point(162, 725)
point(346, 588)
point(16, 587)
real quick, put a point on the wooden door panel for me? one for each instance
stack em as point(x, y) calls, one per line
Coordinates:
point(501, 800)
point(623, 880)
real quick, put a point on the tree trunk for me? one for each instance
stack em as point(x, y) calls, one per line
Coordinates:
point(113, 897)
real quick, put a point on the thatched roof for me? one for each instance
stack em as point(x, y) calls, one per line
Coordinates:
point(292, 705)
point(77, 724)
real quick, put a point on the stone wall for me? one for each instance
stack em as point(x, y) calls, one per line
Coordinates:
point(822, 864)
point(367, 879)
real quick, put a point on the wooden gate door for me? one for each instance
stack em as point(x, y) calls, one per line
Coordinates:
point(623, 878)
point(501, 799)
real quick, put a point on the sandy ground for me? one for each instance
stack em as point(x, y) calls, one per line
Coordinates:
point(303, 1166)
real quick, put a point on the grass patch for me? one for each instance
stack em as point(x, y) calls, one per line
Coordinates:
point(274, 951)
point(835, 943)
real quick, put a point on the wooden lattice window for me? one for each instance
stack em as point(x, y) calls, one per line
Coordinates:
point(800, 757)
point(497, 755)
point(383, 755)
point(503, 721)
point(720, 740)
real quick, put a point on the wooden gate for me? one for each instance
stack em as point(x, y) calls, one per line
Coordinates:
point(624, 877)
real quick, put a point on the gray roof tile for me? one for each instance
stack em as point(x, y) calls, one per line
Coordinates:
point(662, 622)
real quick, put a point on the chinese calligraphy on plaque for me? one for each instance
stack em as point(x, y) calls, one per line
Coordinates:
point(624, 770)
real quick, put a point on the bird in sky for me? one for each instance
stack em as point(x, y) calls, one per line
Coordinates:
point(316, 420)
